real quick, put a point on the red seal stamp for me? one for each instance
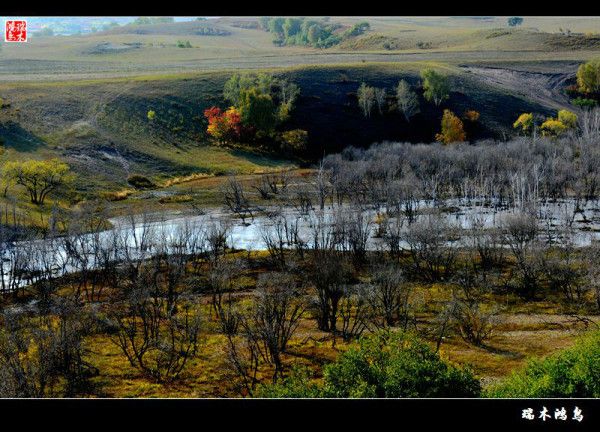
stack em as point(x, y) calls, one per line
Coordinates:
point(15, 31)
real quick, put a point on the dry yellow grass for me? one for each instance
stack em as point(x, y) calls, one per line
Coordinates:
point(517, 338)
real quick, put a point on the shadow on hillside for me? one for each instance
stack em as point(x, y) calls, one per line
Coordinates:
point(258, 159)
point(14, 136)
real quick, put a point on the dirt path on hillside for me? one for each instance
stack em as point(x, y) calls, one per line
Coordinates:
point(545, 88)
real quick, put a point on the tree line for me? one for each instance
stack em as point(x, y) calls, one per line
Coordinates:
point(260, 103)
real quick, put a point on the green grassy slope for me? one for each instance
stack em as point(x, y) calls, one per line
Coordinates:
point(102, 128)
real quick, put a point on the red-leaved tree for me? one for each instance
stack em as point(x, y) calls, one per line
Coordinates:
point(224, 126)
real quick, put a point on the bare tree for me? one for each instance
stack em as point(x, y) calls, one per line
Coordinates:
point(235, 198)
point(329, 273)
point(221, 276)
point(592, 273)
point(428, 242)
point(520, 232)
point(354, 311)
point(389, 297)
point(155, 337)
point(280, 234)
point(358, 232)
point(263, 330)
point(487, 245)
point(43, 359)
point(473, 322)
point(274, 317)
point(272, 184)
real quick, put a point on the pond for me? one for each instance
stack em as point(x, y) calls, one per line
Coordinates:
point(139, 238)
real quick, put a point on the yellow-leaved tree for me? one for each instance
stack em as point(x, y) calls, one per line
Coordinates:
point(524, 123)
point(565, 121)
point(553, 127)
point(39, 177)
point(568, 118)
point(452, 129)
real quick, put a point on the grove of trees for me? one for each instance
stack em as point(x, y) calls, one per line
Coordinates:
point(259, 104)
point(309, 31)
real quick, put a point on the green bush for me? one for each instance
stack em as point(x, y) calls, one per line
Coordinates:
point(184, 44)
point(384, 365)
point(584, 103)
point(297, 385)
point(396, 365)
point(574, 372)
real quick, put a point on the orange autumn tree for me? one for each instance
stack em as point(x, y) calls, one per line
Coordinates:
point(471, 115)
point(224, 126)
point(452, 129)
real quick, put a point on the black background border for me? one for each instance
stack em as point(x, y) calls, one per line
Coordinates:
point(323, 414)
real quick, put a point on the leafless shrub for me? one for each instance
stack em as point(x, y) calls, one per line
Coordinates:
point(216, 239)
point(43, 356)
point(428, 242)
point(473, 322)
point(354, 311)
point(264, 329)
point(157, 337)
point(389, 298)
point(301, 200)
point(329, 273)
point(220, 284)
point(592, 271)
point(279, 235)
point(565, 274)
point(357, 227)
point(235, 199)
point(487, 244)
point(520, 232)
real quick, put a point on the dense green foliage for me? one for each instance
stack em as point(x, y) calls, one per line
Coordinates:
point(584, 102)
point(385, 364)
point(588, 77)
point(309, 32)
point(435, 85)
point(294, 140)
point(297, 385)
point(574, 372)
point(258, 110)
point(263, 100)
